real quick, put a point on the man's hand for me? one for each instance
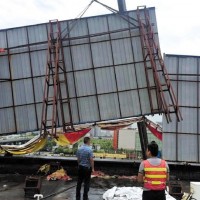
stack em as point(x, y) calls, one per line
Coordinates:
point(134, 178)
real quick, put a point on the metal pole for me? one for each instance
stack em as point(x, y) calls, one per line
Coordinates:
point(122, 6)
point(143, 137)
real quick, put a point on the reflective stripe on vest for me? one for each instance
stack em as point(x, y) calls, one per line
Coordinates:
point(155, 176)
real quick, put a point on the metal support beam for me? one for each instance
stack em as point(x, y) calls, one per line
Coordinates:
point(143, 137)
point(122, 6)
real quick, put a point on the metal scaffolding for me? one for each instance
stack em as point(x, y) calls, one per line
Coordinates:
point(154, 63)
point(55, 76)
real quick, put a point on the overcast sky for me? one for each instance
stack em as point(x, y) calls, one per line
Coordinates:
point(178, 20)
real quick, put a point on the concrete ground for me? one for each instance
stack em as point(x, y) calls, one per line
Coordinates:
point(12, 187)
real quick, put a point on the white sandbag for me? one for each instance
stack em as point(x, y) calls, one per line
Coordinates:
point(127, 193)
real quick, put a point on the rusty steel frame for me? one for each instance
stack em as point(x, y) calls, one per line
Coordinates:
point(151, 51)
point(70, 40)
point(55, 64)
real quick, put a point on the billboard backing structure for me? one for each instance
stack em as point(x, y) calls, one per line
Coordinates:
point(181, 140)
point(104, 66)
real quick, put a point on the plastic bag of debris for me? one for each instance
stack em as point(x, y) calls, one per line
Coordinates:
point(127, 193)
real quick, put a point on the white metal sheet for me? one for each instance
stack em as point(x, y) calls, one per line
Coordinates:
point(88, 108)
point(137, 49)
point(38, 62)
point(101, 50)
point(169, 146)
point(187, 147)
point(105, 70)
point(122, 51)
point(38, 88)
point(85, 83)
point(129, 101)
point(4, 67)
point(109, 106)
point(81, 57)
point(5, 94)
point(185, 72)
point(17, 37)
point(105, 80)
point(3, 41)
point(20, 66)
point(145, 105)
point(126, 77)
point(37, 33)
point(140, 75)
point(23, 92)
point(26, 118)
point(7, 124)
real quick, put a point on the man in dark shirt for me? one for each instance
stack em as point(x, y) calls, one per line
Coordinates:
point(85, 168)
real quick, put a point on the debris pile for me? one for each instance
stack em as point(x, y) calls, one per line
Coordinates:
point(60, 174)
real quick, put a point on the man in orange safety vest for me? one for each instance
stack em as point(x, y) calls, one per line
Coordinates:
point(154, 173)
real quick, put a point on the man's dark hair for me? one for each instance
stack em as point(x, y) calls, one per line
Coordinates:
point(86, 140)
point(153, 148)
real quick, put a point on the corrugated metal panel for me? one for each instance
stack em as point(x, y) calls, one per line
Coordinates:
point(7, 124)
point(75, 117)
point(38, 88)
point(115, 23)
point(172, 127)
point(109, 106)
point(122, 51)
point(88, 109)
point(126, 78)
point(189, 123)
point(184, 135)
point(154, 99)
point(37, 33)
point(71, 85)
point(18, 50)
point(80, 29)
point(3, 43)
point(23, 92)
point(99, 51)
point(26, 118)
point(67, 59)
point(17, 37)
point(81, 57)
point(137, 49)
point(187, 148)
point(189, 88)
point(98, 25)
point(20, 66)
point(129, 101)
point(105, 72)
point(85, 83)
point(5, 94)
point(169, 146)
point(105, 80)
point(145, 105)
point(152, 17)
point(38, 62)
point(4, 66)
point(139, 67)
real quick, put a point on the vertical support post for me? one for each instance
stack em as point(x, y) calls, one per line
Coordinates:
point(122, 6)
point(143, 137)
point(115, 139)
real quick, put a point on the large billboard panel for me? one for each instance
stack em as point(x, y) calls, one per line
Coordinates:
point(181, 140)
point(104, 66)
